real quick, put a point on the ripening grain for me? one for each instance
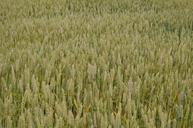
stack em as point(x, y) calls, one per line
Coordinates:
point(96, 64)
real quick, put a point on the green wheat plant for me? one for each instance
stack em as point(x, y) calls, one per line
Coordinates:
point(96, 64)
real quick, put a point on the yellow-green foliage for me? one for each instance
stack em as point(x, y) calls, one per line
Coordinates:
point(96, 63)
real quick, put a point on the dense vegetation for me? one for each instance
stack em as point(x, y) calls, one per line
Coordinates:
point(96, 63)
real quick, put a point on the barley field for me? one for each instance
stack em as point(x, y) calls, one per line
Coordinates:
point(96, 64)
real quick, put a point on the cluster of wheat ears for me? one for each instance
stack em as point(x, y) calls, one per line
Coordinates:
point(96, 64)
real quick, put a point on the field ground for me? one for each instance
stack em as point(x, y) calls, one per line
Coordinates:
point(96, 63)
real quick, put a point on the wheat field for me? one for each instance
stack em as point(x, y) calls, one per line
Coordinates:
point(96, 64)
